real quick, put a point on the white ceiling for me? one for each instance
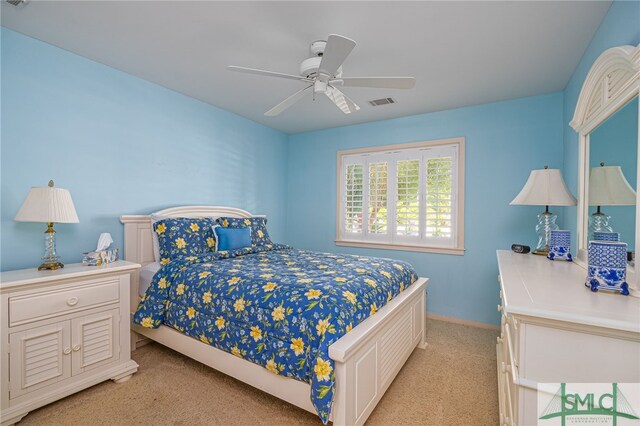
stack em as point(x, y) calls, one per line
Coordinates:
point(461, 53)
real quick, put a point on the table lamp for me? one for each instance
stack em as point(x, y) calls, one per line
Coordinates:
point(545, 187)
point(607, 187)
point(48, 205)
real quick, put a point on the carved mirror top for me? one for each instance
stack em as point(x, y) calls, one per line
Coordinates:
point(612, 81)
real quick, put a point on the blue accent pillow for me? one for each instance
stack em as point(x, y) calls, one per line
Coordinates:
point(232, 238)
point(179, 237)
point(258, 225)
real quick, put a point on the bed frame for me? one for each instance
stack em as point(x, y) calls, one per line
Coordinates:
point(367, 359)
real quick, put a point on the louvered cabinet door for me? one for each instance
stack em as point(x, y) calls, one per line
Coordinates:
point(39, 357)
point(95, 340)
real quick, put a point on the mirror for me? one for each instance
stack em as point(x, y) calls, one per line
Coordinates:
point(606, 120)
point(613, 167)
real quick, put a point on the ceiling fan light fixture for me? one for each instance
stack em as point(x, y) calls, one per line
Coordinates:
point(320, 86)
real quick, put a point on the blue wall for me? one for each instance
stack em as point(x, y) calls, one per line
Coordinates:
point(620, 26)
point(615, 143)
point(121, 145)
point(504, 142)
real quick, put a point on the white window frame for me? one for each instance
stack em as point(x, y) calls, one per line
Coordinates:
point(392, 154)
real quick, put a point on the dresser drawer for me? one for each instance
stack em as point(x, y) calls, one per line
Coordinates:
point(31, 307)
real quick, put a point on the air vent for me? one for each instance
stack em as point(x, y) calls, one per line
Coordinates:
point(382, 101)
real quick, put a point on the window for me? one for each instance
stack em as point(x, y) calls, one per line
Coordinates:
point(406, 197)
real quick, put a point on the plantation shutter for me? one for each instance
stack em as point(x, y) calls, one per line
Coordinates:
point(377, 205)
point(439, 165)
point(405, 197)
point(353, 198)
point(408, 198)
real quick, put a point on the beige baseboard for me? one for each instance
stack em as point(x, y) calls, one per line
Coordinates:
point(462, 321)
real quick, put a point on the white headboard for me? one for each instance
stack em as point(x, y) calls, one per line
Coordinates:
point(138, 239)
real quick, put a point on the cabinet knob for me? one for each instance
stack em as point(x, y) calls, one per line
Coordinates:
point(66, 351)
point(72, 301)
point(76, 348)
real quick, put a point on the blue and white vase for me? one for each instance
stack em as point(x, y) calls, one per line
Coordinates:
point(607, 269)
point(560, 245)
point(606, 236)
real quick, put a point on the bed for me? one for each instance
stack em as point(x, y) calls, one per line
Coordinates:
point(364, 361)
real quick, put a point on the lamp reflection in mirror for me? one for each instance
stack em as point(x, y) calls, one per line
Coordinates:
point(607, 187)
point(48, 205)
point(545, 187)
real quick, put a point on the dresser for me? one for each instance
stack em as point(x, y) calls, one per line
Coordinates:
point(62, 331)
point(555, 330)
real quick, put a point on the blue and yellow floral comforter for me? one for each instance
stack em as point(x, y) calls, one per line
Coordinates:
point(278, 307)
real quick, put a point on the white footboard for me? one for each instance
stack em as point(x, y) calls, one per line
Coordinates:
point(371, 355)
point(367, 359)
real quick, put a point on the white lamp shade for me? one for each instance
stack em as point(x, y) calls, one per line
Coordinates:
point(48, 204)
point(609, 187)
point(545, 187)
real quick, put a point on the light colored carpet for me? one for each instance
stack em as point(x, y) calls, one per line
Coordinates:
point(452, 382)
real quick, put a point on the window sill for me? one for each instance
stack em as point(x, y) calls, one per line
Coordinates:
point(403, 247)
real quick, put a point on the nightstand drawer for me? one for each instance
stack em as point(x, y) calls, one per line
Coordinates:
point(32, 307)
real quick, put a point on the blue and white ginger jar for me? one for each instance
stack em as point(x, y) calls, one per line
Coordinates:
point(560, 245)
point(607, 269)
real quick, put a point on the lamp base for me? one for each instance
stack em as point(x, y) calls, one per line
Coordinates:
point(546, 224)
point(50, 261)
point(541, 252)
point(598, 222)
point(50, 266)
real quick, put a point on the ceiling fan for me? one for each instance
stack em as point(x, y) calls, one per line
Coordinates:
point(323, 73)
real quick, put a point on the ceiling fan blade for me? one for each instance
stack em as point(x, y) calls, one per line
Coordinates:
point(341, 100)
point(267, 73)
point(335, 52)
point(379, 82)
point(287, 102)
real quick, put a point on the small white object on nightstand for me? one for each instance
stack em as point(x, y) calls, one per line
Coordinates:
point(62, 331)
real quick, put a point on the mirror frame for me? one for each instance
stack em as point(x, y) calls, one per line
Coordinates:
point(612, 81)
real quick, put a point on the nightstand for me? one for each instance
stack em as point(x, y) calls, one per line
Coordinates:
point(62, 331)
